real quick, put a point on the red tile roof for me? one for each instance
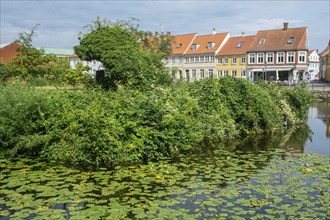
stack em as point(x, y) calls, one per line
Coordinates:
point(8, 52)
point(231, 46)
point(203, 40)
point(73, 55)
point(181, 43)
point(277, 40)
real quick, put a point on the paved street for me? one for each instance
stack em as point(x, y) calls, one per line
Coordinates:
point(318, 86)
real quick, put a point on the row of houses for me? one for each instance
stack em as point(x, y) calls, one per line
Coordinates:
point(275, 55)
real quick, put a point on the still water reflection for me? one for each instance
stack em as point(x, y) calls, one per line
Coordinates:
point(319, 123)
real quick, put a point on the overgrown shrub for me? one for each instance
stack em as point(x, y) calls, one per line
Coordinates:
point(100, 128)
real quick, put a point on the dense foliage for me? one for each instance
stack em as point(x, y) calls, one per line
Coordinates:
point(129, 57)
point(100, 128)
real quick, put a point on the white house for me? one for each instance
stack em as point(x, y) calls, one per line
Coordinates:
point(94, 65)
point(313, 65)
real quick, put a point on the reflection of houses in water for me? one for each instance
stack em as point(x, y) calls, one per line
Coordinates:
point(324, 114)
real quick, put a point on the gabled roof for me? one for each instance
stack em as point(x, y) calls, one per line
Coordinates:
point(232, 46)
point(181, 43)
point(326, 51)
point(277, 40)
point(203, 40)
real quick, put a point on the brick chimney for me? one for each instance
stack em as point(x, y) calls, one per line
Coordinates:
point(214, 31)
point(285, 26)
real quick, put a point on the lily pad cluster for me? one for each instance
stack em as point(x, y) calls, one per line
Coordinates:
point(222, 185)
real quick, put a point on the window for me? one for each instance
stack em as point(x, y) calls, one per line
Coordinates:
point(187, 75)
point(280, 57)
point(262, 41)
point(196, 59)
point(252, 58)
point(243, 72)
point(290, 41)
point(233, 72)
point(302, 57)
point(179, 46)
point(202, 73)
point(220, 60)
point(290, 57)
point(210, 73)
point(243, 60)
point(207, 58)
point(225, 73)
point(192, 59)
point(234, 60)
point(173, 59)
point(201, 58)
point(193, 74)
point(239, 45)
point(194, 46)
point(210, 45)
point(270, 57)
point(180, 59)
point(187, 59)
point(211, 58)
point(225, 61)
point(260, 58)
point(219, 73)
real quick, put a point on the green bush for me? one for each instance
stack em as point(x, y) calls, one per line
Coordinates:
point(21, 115)
point(100, 128)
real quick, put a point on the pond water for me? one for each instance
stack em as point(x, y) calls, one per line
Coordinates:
point(251, 179)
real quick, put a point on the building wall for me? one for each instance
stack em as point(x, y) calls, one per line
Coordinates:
point(327, 73)
point(230, 66)
point(94, 65)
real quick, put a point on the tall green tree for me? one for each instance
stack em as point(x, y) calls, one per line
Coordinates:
point(119, 47)
point(30, 61)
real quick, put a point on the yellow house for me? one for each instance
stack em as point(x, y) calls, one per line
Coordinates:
point(231, 60)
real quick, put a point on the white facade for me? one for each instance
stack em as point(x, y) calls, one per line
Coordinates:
point(94, 65)
point(313, 66)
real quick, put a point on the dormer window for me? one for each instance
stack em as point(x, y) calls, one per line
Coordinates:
point(239, 45)
point(195, 46)
point(210, 45)
point(261, 42)
point(290, 41)
point(179, 45)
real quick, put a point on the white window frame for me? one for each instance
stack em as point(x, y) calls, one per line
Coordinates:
point(207, 58)
point(187, 59)
point(225, 61)
point(219, 60)
point(270, 55)
point(202, 73)
point(192, 59)
point(243, 60)
point(210, 72)
point(234, 72)
point(278, 56)
point(180, 59)
point(252, 56)
point(234, 60)
point(193, 74)
point(196, 58)
point(243, 73)
point(290, 54)
point(300, 55)
point(219, 73)
point(201, 59)
point(212, 58)
point(261, 56)
point(225, 73)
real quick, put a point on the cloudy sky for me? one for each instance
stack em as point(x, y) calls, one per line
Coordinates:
point(60, 21)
